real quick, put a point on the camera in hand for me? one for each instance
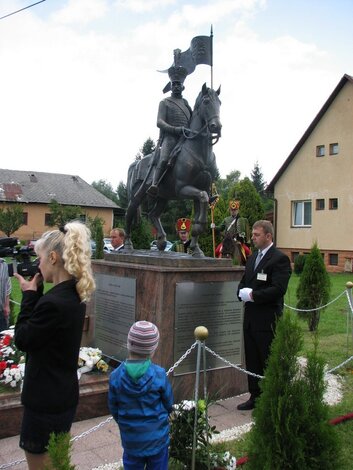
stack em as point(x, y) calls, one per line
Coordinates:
point(22, 262)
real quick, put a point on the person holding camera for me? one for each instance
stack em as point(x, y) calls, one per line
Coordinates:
point(49, 330)
point(5, 290)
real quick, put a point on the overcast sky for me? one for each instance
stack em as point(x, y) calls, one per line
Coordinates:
point(80, 87)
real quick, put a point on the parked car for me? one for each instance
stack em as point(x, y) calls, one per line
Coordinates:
point(153, 245)
point(107, 247)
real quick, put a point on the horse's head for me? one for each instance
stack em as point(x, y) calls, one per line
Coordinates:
point(208, 107)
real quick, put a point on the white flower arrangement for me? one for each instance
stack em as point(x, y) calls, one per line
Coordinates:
point(90, 358)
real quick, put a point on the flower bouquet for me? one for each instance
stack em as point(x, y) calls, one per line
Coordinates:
point(12, 363)
point(90, 359)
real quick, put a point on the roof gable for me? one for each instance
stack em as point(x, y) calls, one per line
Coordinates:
point(346, 78)
point(42, 188)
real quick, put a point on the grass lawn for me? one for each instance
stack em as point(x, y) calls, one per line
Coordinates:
point(335, 346)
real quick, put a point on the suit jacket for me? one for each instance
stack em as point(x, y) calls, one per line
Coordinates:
point(269, 283)
point(49, 330)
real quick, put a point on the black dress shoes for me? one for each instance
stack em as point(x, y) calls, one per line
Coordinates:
point(247, 405)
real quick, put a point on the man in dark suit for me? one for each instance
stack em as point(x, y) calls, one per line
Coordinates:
point(262, 289)
point(117, 236)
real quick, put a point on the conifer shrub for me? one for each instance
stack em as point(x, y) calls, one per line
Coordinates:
point(291, 430)
point(59, 451)
point(314, 287)
point(299, 264)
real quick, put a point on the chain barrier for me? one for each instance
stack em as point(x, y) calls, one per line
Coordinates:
point(178, 362)
point(317, 308)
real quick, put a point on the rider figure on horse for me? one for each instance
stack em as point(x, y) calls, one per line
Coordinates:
point(174, 114)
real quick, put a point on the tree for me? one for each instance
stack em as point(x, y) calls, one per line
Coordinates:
point(225, 184)
point(96, 227)
point(251, 205)
point(141, 234)
point(314, 287)
point(106, 189)
point(60, 214)
point(258, 179)
point(291, 430)
point(11, 219)
point(121, 198)
point(147, 148)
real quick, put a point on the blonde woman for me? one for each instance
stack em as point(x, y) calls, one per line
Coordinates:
point(49, 329)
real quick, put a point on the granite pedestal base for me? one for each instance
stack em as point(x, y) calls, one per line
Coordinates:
point(156, 275)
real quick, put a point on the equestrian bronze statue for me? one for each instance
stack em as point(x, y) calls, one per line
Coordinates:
point(187, 174)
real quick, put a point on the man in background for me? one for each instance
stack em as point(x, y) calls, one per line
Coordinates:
point(117, 236)
point(183, 226)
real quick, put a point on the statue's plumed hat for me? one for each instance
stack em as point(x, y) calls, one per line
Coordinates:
point(177, 73)
point(234, 204)
point(183, 224)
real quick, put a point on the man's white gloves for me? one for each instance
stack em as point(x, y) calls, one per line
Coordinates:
point(245, 294)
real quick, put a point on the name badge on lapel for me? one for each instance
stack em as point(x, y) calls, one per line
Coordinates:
point(261, 277)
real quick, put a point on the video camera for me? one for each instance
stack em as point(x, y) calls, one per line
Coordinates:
point(22, 263)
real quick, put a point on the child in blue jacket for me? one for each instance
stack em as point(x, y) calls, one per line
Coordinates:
point(140, 400)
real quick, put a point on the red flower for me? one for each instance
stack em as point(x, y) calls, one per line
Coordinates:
point(14, 366)
point(3, 365)
point(7, 340)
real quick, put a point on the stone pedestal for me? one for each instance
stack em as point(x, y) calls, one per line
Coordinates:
point(156, 275)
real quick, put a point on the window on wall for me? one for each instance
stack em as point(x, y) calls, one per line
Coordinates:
point(333, 259)
point(320, 204)
point(333, 203)
point(334, 149)
point(25, 218)
point(47, 219)
point(320, 150)
point(294, 255)
point(301, 212)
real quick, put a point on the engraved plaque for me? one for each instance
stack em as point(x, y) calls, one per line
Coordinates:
point(214, 305)
point(115, 300)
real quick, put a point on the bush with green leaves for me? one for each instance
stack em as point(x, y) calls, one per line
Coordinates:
point(299, 264)
point(59, 451)
point(182, 438)
point(291, 430)
point(314, 288)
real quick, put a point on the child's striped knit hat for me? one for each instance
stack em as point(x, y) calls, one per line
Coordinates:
point(143, 338)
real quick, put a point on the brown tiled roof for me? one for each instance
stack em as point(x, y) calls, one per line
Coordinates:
point(41, 188)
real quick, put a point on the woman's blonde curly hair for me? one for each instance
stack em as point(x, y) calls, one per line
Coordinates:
point(72, 243)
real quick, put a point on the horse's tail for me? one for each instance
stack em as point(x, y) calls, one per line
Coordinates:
point(131, 178)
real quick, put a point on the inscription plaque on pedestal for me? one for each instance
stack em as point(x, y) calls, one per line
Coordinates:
point(216, 306)
point(115, 308)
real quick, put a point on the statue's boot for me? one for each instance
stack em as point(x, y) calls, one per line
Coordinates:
point(153, 189)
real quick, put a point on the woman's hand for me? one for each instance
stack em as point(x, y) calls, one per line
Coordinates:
point(29, 284)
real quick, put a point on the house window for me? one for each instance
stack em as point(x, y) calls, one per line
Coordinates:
point(82, 218)
point(294, 255)
point(25, 218)
point(333, 203)
point(320, 150)
point(301, 211)
point(334, 149)
point(333, 259)
point(47, 219)
point(320, 204)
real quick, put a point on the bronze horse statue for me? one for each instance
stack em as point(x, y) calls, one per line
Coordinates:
point(189, 175)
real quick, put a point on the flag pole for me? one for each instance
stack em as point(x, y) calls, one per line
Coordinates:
point(211, 36)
